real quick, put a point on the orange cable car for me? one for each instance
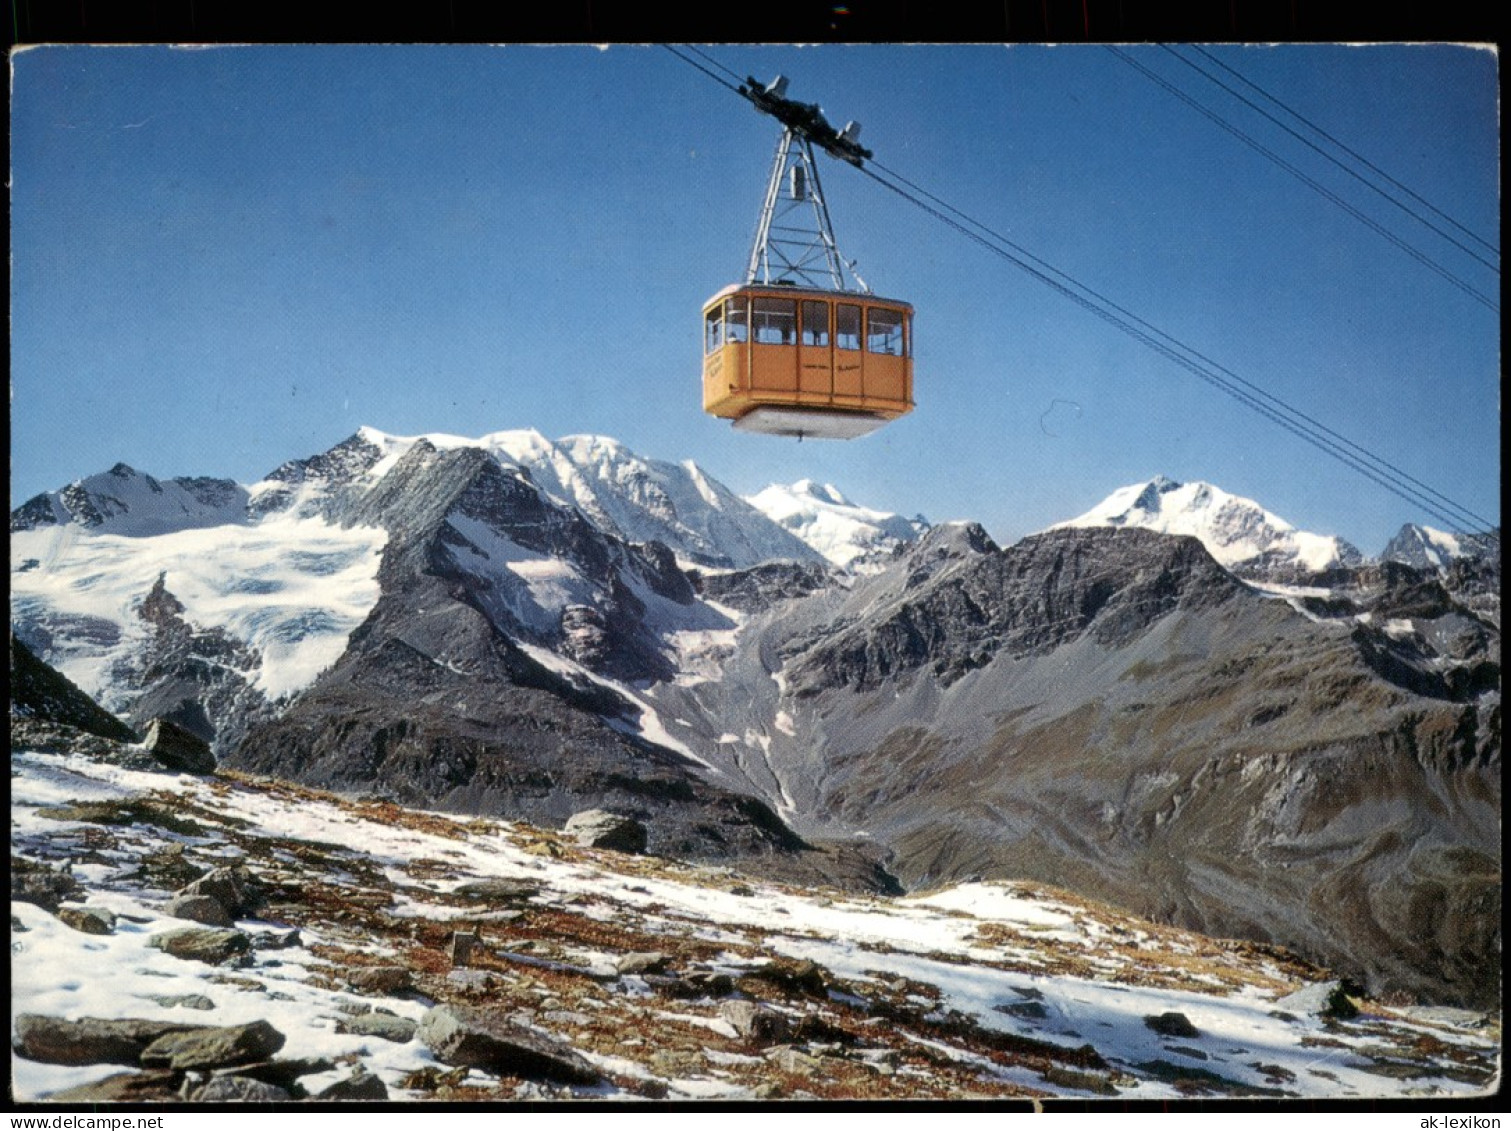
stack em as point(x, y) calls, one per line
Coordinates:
point(794, 351)
point(798, 361)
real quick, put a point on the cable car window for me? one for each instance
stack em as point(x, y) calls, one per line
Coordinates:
point(884, 332)
point(775, 321)
point(815, 323)
point(713, 329)
point(847, 326)
point(736, 328)
point(907, 335)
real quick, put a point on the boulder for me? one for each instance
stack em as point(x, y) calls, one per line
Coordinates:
point(598, 828)
point(283, 1073)
point(90, 920)
point(183, 1001)
point(400, 1030)
point(124, 1088)
point(33, 882)
point(360, 1085)
point(499, 889)
point(641, 962)
point(380, 979)
point(1172, 1025)
point(462, 943)
point(238, 1089)
point(755, 1022)
point(89, 1040)
point(233, 888)
point(486, 1038)
point(794, 1061)
point(198, 909)
point(213, 1047)
point(215, 945)
point(178, 749)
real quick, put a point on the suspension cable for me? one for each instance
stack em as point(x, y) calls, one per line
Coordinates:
point(1355, 456)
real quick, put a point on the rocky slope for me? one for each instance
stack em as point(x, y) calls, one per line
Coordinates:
point(211, 939)
point(1110, 710)
point(1102, 707)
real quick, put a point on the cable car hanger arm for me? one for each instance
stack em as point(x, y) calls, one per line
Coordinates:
point(806, 120)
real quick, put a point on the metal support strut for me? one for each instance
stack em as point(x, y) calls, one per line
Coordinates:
point(794, 240)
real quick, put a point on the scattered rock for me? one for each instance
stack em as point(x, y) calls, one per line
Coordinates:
point(283, 1073)
point(755, 1022)
point(360, 1085)
point(380, 979)
point(239, 1089)
point(1172, 1025)
point(791, 979)
point(486, 1038)
point(795, 1061)
point(198, 909)
point(123, 1088)
point(1324, 999)
point(1084, 1081)
point(499, 889)
point(598, 828)
point(18, 927)
point(32, 882)
point(1274, 1073)
point(178, 749)
point(559, 1017)
point(184, 1001)
point(90, 920)
point(400, 1030)
point(675, 986)
point(169, 868)
point(217, 1047)
point(277, 940)
point(89, 1040)
point(881, 1058)
point(215, 945)
point(1340, 1006)
point(233, 888)
point(641, 962)
point(460, 950)
point(471, 979)
point(252, 985)
point(1028, 1010)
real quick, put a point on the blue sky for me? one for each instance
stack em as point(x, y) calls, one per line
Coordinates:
point(225, 258)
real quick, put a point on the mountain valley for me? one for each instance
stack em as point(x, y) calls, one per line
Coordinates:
point(1292, 747)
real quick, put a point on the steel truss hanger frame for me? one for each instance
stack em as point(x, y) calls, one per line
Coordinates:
point(794, 242)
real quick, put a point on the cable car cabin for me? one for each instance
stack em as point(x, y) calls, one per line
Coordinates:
point(795, 361)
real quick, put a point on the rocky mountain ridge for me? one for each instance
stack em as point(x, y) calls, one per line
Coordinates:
point(1089, 707)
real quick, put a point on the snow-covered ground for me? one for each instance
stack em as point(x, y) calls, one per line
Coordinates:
point(980, 989)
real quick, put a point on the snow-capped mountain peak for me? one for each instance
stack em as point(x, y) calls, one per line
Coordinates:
point(625, 494)
point(848, 534)
point(1238, 532)
point(131, 504)
point(1422, 547)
